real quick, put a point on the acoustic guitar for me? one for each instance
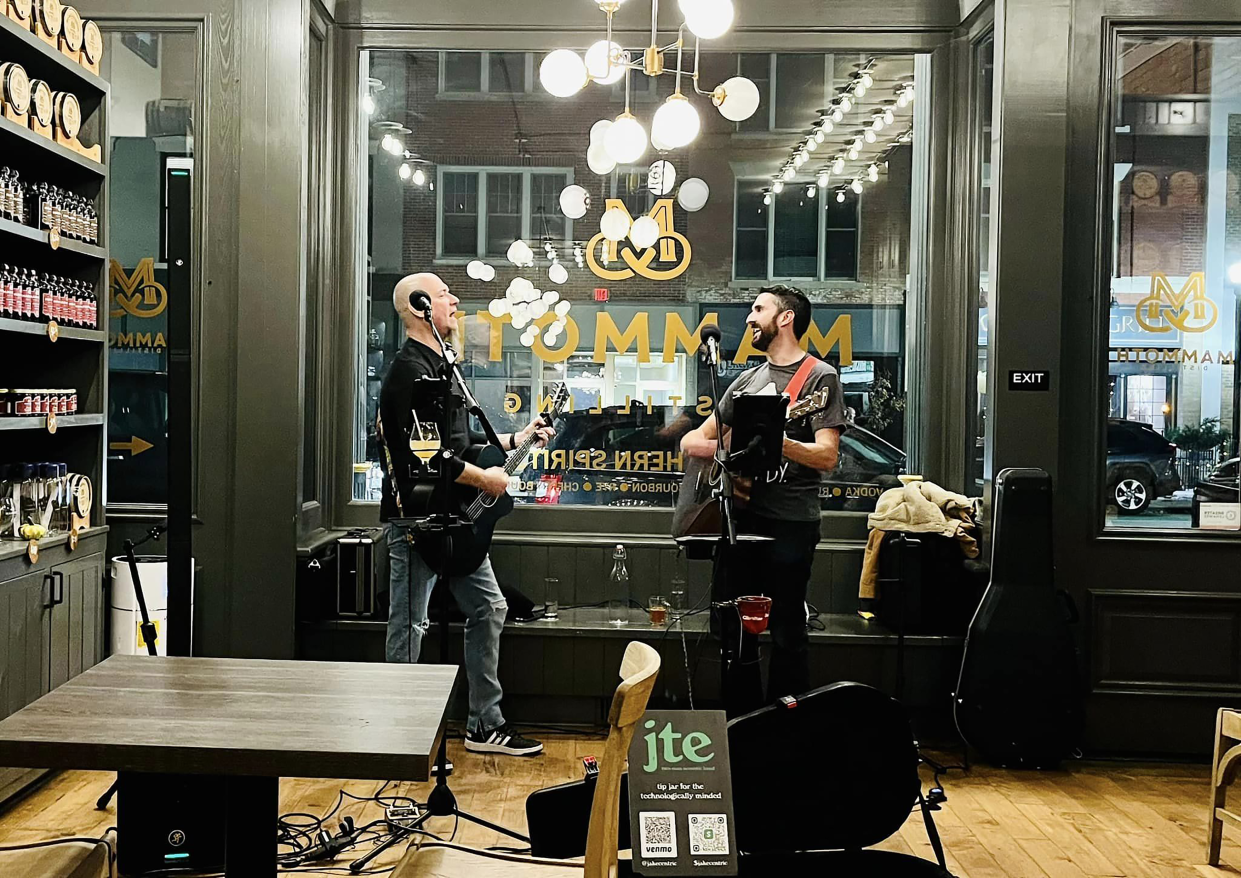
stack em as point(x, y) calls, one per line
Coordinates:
point(469, 545)
point(697, 512)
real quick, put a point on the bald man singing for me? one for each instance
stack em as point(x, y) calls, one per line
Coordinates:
point(411, 577)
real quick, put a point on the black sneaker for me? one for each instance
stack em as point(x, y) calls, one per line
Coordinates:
point(502, 740)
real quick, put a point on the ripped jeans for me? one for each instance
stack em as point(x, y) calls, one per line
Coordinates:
point(479, 597)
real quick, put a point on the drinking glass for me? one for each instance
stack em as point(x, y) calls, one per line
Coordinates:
point(658, 609)
point(551, 605)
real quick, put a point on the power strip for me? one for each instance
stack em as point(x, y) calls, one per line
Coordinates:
point(401, 816)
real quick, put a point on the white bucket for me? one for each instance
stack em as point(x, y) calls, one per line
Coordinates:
point(126, 617)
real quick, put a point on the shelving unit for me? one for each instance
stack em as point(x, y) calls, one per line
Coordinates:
point(78, 359)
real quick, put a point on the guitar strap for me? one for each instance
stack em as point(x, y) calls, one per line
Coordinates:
point(799, 378)
point(383, 443)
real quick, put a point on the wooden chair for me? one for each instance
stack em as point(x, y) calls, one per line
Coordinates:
point(1223, 773)
point(62, 858)
point(440, 860)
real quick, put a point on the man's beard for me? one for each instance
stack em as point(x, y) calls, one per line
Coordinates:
point(766, 335)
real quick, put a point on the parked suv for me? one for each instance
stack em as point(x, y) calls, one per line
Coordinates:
point(866, 462)
point(1141, 466)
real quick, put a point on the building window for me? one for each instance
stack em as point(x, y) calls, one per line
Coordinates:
point(797, 236)
point(628, 352)
point(475, 73)
point(520, 203)
point(1173, 412)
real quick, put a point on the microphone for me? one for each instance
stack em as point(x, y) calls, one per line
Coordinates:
point(711, 336)
point(420, 303)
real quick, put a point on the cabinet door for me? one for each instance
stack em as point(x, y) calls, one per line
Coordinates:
point(74, 645)
point(24, 638)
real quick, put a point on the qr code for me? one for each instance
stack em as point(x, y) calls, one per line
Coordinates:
point(708, 834)
point(658, 833)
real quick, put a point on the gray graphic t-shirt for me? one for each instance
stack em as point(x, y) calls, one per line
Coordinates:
point(792, 492)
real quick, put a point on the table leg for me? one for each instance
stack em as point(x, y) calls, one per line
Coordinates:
point(250, 845)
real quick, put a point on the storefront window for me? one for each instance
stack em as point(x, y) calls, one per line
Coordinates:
point(150, 125)
point(456, 175)
point(1176, 275)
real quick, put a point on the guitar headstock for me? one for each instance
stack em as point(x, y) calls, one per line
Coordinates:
point(815, 402)
point(559, 399)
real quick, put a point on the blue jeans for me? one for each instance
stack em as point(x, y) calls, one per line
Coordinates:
point(479, 597)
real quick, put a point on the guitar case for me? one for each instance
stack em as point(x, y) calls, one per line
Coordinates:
point(1018, 700)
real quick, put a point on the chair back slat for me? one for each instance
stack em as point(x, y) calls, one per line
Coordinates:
point(639, 668)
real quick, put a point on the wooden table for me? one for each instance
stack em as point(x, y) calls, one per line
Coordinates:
point(250, 720)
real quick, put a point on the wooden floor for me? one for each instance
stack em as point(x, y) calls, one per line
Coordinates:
point(1096, 819)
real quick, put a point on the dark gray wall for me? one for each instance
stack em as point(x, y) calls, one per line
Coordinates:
point(250, 142)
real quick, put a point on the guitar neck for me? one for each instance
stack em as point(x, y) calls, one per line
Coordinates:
point(518, 457)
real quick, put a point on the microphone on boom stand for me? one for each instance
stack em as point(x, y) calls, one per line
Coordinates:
point(711, 336)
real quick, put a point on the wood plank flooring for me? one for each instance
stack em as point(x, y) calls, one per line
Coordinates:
point(1093, 819)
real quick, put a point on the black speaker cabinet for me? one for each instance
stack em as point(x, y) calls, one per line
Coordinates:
point(172, 823)
point(362, 572)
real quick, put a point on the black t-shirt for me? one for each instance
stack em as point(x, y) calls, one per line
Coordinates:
point(401, 397)
point(792, 492)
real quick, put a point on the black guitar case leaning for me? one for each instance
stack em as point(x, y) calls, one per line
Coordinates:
point(1018, 701)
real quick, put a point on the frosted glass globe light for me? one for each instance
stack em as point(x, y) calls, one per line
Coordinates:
point(811, 191)
point(822, 181)
point(676, 123)
point(777, 187)
point(837, 114)
point(888, 116)
point(475, 269)
point(873, 173)
point(385, 142)
point(821, 133)
point(563, 73)
point(867, 79)
point(489, 273)
point(859, 90)
point(708, 19)
point(405, 172)
point(871, 136)
point(856, 186)
point(693, 194)
point(845, 104)
point(538, 308)
point(558, 275)
point(368, 104)
point(598, 130)
point(812, 144)
point(625, 140)
point(766, 198)
point(736, 98)
point(498, 307)
point(838, 165)
point(598, 66)
point(644, 233)
point(789, 173)
point(614, 224)
point(599, 160)
point(420, 177)
point(840, 196)
point(562, 308)
point(574, 201)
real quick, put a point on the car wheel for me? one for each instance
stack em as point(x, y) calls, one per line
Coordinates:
point(1133, 495)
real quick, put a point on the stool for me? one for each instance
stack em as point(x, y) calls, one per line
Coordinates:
point(1223, 773)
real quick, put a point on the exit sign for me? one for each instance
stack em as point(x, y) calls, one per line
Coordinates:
point(1029, 380)
point(601, 294)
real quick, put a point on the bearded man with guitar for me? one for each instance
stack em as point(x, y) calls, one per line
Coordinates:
point(405, 412)
point(783, 504)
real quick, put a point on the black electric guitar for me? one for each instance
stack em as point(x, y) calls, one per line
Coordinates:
point(469, 545)
point(697, 512)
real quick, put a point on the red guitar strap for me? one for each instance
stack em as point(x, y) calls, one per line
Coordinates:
point(799, 378)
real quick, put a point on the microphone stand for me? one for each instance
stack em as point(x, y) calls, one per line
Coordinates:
point(149, 633)
point(442, 802)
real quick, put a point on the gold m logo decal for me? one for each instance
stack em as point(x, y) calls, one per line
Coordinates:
point(636, 263)
point(137, 294)
point(1189, 310)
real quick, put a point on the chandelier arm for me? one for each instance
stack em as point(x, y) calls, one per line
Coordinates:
point(694, 75)
point(608, 53)
point(654, 21)
point(680, 46)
